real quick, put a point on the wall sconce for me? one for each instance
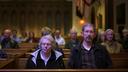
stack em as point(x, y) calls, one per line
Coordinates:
point(82, 21)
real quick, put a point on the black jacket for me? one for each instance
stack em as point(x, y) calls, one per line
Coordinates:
point(9, 43)
point(71, 44)
point(54, 62)
point(102, 58)
point(3, 54)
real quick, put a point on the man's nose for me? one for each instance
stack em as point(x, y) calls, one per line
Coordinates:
point(89, 33)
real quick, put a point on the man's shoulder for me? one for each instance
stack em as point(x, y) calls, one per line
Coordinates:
point(98, 46)
point(77, 48)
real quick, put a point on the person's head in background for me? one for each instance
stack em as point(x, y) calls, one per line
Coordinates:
point(125, 33)
point(57, 33)
point(14, 32)
point(46, 31)
point(73, 34)
point(31, 35)
point(109, 35)
point(7, 33)
point(101, 36)
point(24, 34)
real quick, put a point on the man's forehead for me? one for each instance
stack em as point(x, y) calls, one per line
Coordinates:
point(88, 28)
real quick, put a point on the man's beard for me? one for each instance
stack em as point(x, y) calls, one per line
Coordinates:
point(89, 39)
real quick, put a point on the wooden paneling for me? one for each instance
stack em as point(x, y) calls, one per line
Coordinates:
point(32, 15)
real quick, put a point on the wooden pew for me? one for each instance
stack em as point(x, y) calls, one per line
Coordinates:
point(64, 70)
point(120, 62)
point(28, 45)
point(119, 55)
point(117, 62)
point(66, 53)
point(66, 50)
point(10, 50)
point(21, 63)
point(27, 55)
point(7, 64)
point(12, 53)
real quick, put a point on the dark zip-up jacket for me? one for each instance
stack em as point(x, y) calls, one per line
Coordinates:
point(102, 58)
point(55, 61)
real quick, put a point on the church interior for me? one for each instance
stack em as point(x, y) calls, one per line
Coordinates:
point(31, 16)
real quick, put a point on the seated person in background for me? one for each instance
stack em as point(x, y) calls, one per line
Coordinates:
point(15, 37)
point(1, 37)
point(58, 38)
point(112, 45)
point(101, 37)
point(2, 54)
point(7, 41)
point(46, 31)
point(125, 38)
point(24, 37)
point(45, 57)
point(88, 54)
point(73, 42)
point(31, 38)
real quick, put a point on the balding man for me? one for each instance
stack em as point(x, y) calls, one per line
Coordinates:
point(7, 41)
point(73, 42)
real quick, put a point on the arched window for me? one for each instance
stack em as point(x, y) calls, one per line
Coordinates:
point(13, 17)
point(67, 23)
point(58, 20)
point(49, 19)
point(40, 19)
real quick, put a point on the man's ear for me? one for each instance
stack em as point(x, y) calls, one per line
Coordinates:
point(94, 35)
point(82, 34)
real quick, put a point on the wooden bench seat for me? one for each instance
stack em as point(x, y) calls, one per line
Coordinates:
point(7, 64)
point(20, 57)
point(117, 62)
point(64, 70)
point(120, 63)
point(28, 45)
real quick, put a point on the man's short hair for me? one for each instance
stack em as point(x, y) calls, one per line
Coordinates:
point(87, 24)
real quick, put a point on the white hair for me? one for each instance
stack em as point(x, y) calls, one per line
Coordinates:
point(50, 38)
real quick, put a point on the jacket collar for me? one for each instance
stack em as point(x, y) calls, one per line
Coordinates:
point(34, 55)
point(95, 46)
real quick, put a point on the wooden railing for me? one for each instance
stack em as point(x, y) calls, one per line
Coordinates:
point(64, 70)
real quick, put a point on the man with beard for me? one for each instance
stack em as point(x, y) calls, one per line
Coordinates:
point(88, 54)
